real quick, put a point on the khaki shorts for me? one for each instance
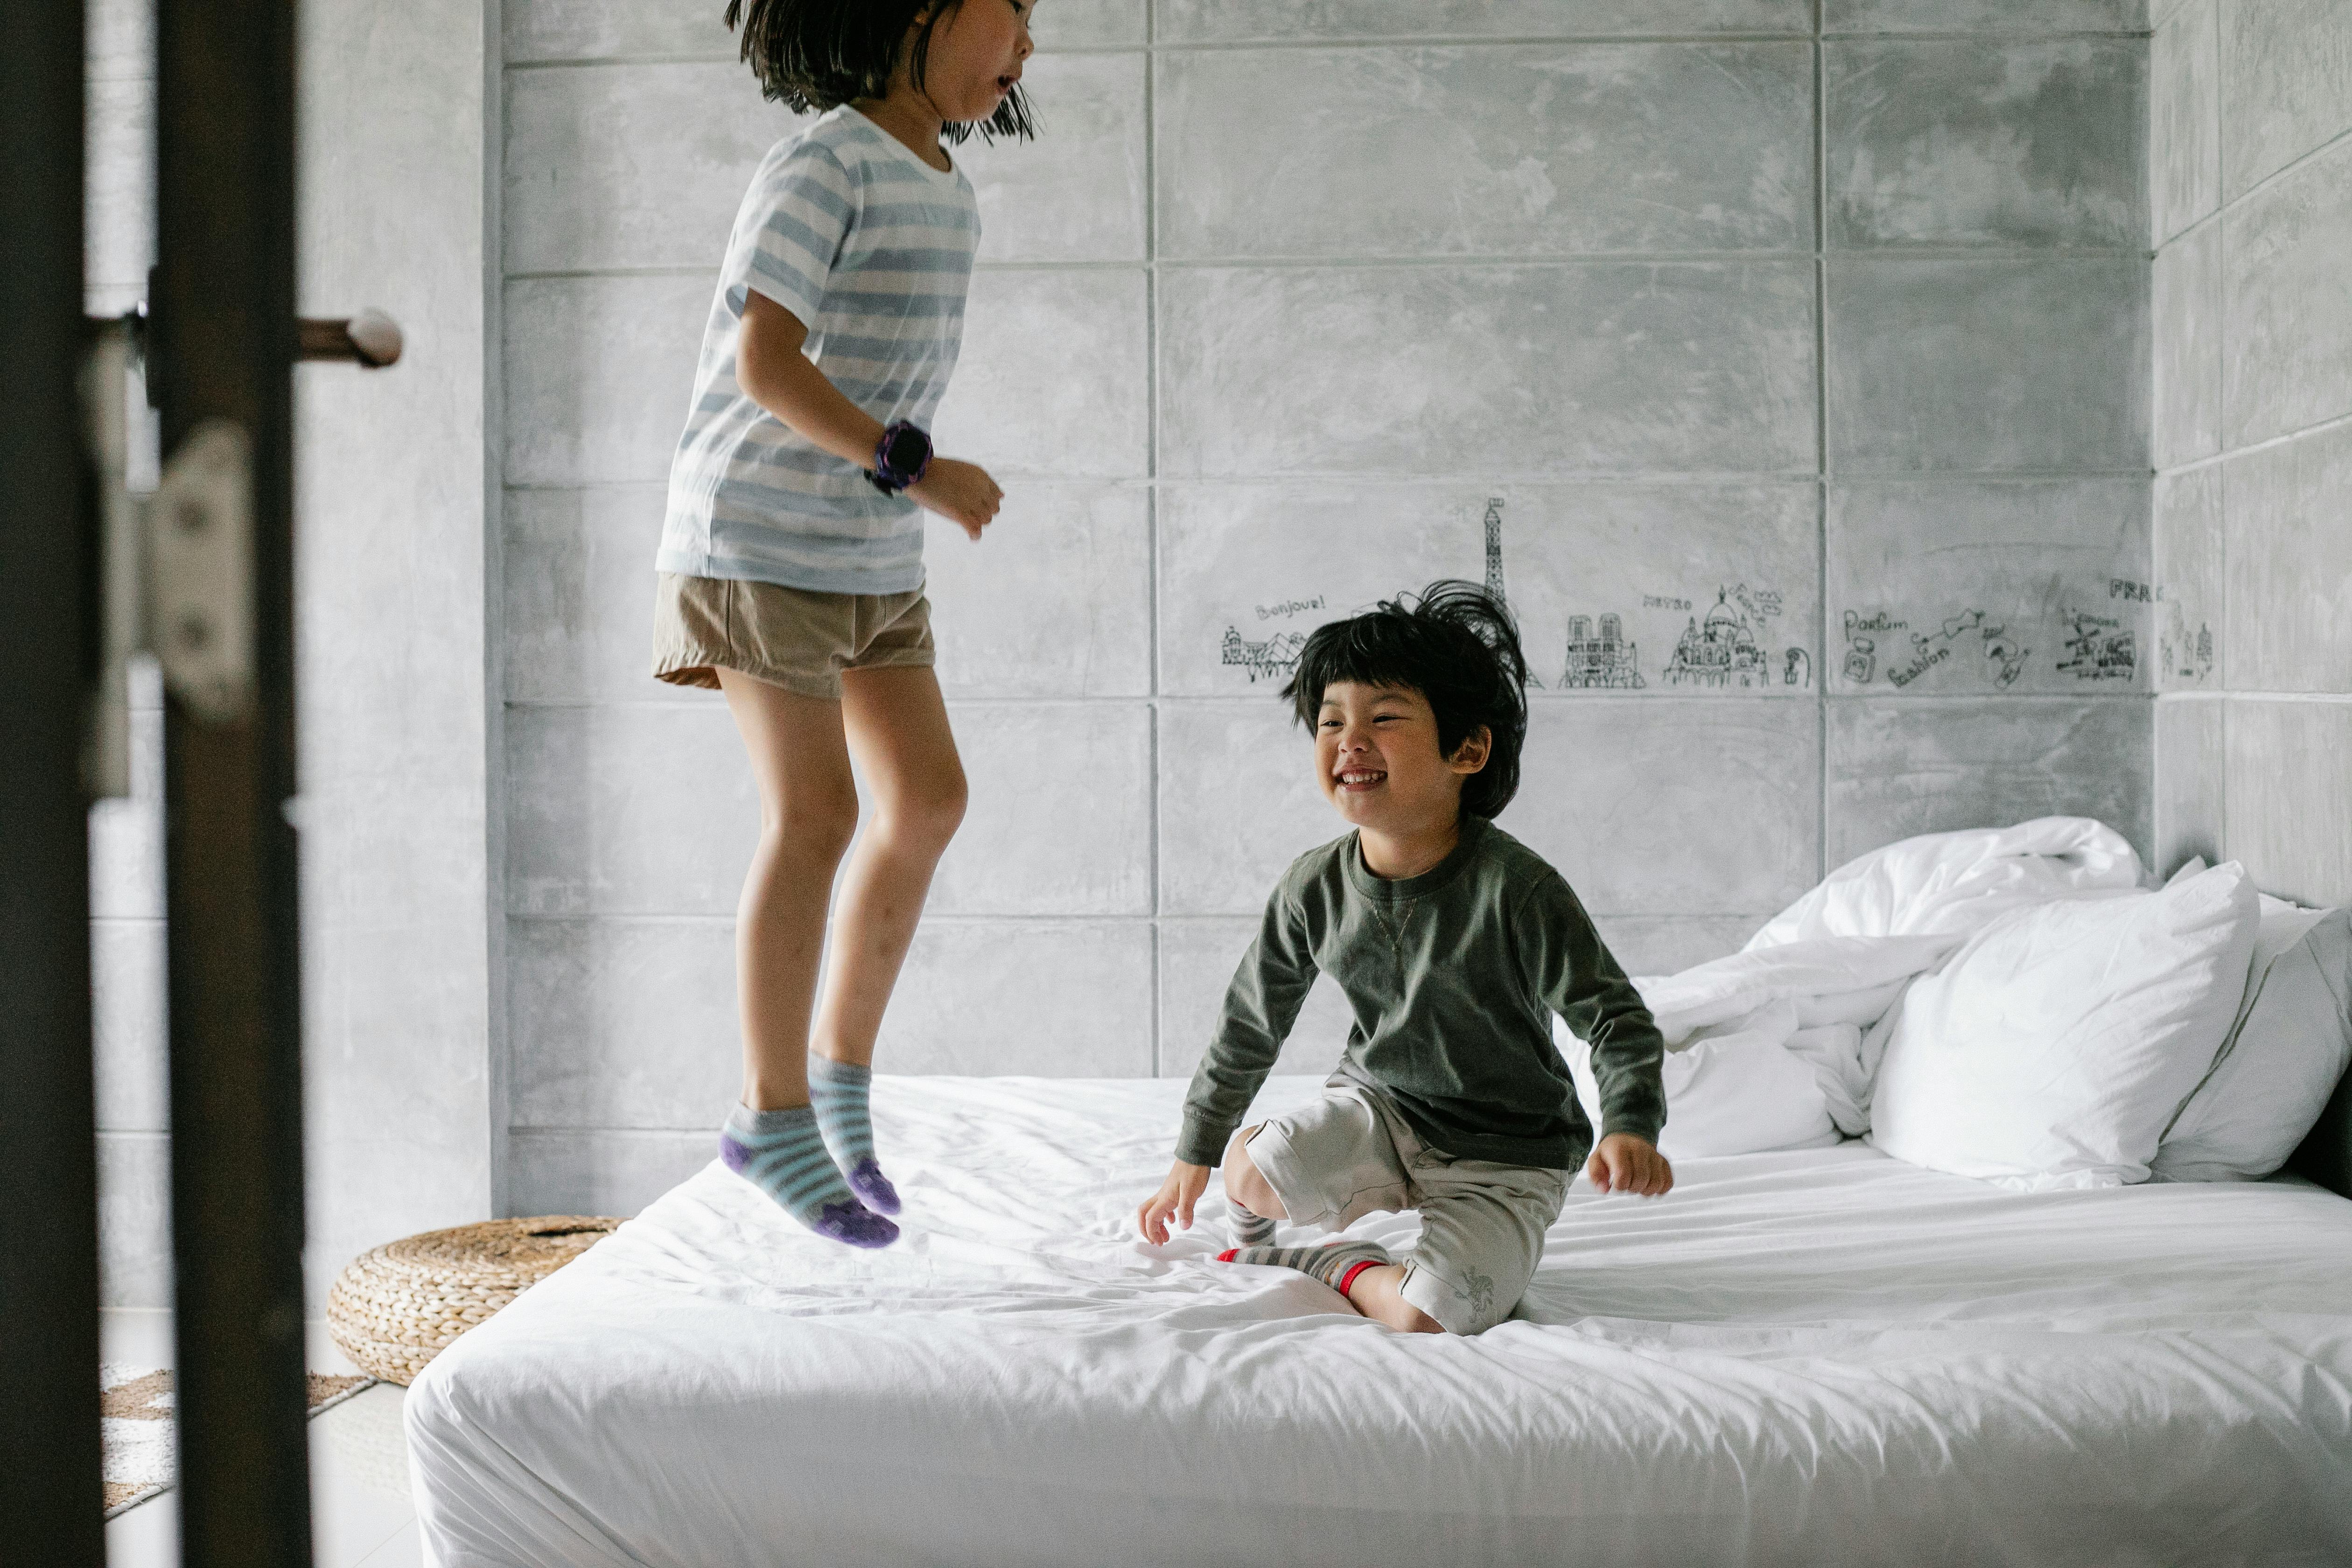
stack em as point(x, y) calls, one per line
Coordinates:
point(793, 637)
point(1482, 1224)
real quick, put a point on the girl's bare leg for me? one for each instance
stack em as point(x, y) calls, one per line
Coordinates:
point(808, 813)
point(898, 730)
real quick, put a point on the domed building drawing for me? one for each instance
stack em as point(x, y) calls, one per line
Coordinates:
point(1720, 651)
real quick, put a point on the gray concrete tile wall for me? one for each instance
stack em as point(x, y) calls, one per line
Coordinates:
point(539, 31)
point(1984, 16)
point(2192, 648)
point(1403, 372)
point(1990, 586)
point(1928, 766)
point(2287, 361)
point(1987, 364)
point(1986, 142)
point(1051, 382)
point(2288, 774)
point(2190, 779)
point(2287, 84)
point(1261, 21)
point(2288, 516)
point(2184, 327)
point(2252, 325)
point(601, 1171)
point(2185, 123)
point(1291, 299)
point(1511, 150)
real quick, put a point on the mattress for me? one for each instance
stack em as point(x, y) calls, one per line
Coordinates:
point(1815, 1357)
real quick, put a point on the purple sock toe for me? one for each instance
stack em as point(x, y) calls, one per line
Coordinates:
point(854, 1224)
point(867, 1180)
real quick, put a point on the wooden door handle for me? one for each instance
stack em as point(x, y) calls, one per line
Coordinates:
point(371, 340)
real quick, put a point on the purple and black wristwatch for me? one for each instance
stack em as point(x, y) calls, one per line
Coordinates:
point(900, 459)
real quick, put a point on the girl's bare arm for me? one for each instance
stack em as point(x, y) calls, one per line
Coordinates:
point(774, 373)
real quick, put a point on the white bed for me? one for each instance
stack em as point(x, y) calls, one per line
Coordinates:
point(1813, 1357)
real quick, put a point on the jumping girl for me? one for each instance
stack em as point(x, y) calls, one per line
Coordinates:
point(792, 565)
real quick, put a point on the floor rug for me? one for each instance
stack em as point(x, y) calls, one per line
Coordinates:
point(134, 1407)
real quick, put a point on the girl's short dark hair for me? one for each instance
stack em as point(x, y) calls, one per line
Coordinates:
point(1458, 646)
point(821, 54)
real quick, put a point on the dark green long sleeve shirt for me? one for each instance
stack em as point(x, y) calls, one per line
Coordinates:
point(1453, 976)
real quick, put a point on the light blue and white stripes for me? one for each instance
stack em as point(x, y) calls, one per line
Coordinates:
point(872, 247)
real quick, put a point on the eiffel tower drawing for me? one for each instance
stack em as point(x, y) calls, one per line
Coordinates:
point(1495, 563)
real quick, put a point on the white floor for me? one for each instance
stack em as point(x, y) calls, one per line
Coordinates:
point(360, 1513)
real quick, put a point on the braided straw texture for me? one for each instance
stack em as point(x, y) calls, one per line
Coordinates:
point(400, 1305)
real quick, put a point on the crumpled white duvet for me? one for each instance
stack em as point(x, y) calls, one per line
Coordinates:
point(1822, 1357)
point(1819, 977)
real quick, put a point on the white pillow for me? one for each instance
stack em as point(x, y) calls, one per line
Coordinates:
point(2052, 1050)
point(2280, 1061)
point(1739, 1091)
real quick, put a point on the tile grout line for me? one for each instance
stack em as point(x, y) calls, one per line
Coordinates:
point(1468, 260)
point(2326, 426)
point(2225, 205)
point(1820, 448)
point(1152, 500)
point(1535, 698)
point(1416, 41)
point(1660, 478)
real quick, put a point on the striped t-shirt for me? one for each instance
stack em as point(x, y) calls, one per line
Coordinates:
point(871, 248)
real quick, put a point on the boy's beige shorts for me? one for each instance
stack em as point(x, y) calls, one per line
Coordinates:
point(1482, 1223)
point(793, 638)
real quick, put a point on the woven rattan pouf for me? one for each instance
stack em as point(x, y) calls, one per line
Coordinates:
point(400, 1305)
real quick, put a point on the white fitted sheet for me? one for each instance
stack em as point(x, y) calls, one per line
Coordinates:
point(1824, 1356)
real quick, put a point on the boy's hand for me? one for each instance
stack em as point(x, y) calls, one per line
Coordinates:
point(1177, 1195)
point(961, 492)
point(1621, 1162)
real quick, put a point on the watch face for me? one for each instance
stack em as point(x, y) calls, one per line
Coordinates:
point(908, 450)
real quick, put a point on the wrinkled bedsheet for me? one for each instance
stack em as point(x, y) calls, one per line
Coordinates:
point(1816, 1357)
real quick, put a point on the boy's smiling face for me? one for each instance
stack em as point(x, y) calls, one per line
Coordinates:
point(1376, 758)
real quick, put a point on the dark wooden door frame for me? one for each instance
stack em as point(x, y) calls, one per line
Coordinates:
point(49, 1493)
point(223, 341)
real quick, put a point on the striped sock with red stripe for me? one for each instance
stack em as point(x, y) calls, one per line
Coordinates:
point(1336, 1264)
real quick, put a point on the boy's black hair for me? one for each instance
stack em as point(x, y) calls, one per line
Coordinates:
point(821, 54)
point(1459, 648)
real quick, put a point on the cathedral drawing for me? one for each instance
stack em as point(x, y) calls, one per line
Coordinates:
point(1720, 651)
point(1603, 662)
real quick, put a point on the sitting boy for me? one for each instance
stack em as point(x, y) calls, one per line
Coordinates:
point(1454, 943)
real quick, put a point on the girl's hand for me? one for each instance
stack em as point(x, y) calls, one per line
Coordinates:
point(1621, 1162)
point(961, 492)
point(1177, 1195)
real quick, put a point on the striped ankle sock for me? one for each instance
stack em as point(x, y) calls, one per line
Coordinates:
point(1336, 1264)
point(1249, 1229)
point(837, 1091)
point(783, 1154)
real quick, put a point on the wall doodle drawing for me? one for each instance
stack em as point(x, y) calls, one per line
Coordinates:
point(1276, 657)
point(2004, 656)
point(1607, 662)
point(1720, 652)
point(1862, 633)
point(2099, 647)
point(2184, 654)
point(1798, 668)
